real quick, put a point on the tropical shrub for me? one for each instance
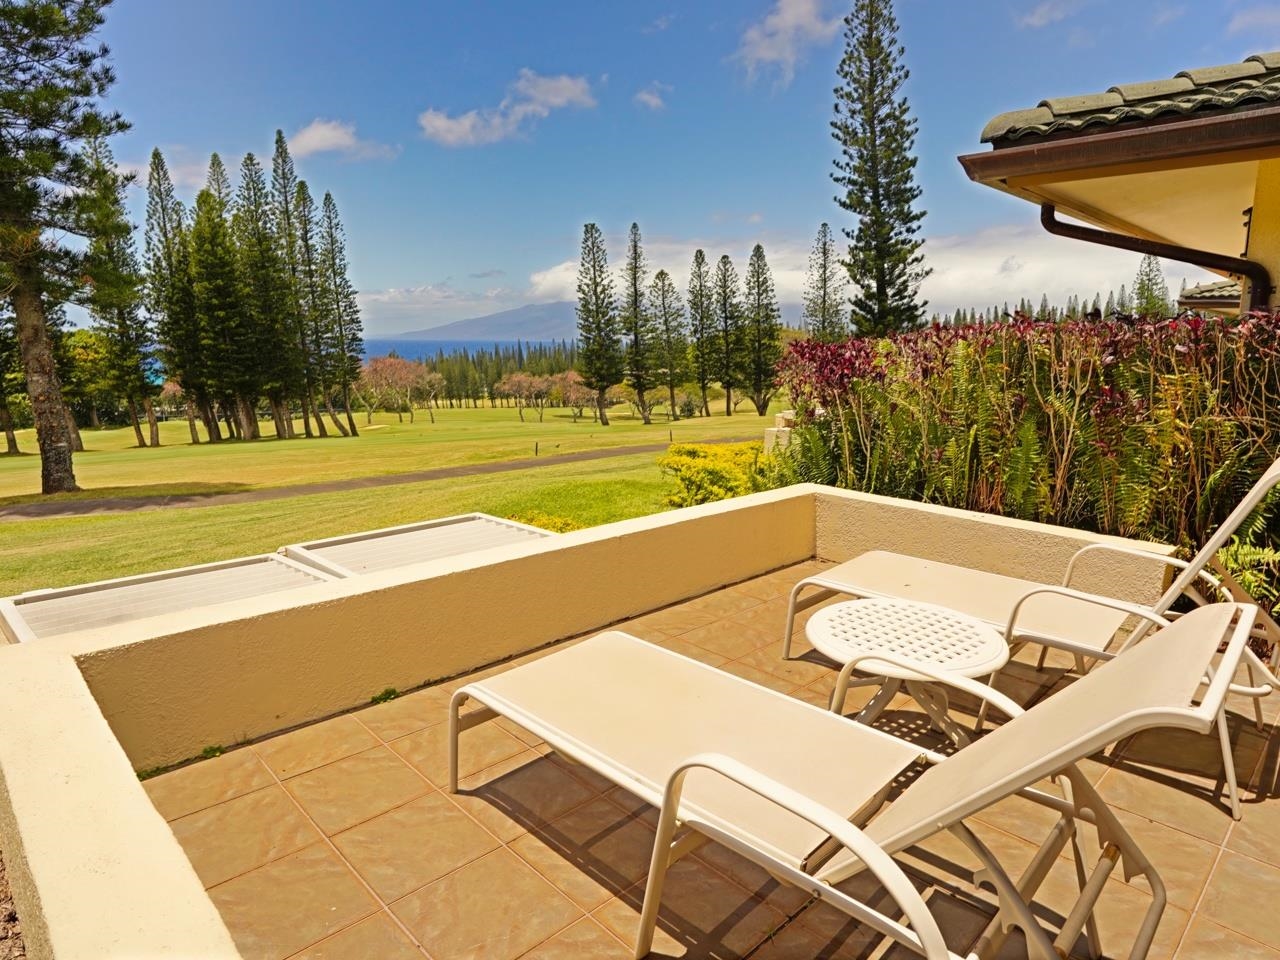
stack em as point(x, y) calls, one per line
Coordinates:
point(705, 472)
point(1142, 429)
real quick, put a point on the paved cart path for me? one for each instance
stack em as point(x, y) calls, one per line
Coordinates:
point(85, 508)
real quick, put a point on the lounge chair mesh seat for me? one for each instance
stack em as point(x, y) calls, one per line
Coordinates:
point(789, 785)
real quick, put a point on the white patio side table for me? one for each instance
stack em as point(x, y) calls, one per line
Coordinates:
point(938, 638)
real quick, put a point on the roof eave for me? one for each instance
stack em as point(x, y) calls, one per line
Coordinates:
point(1194, 141)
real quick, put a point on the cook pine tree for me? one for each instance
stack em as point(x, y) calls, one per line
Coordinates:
point(762, 332)
point(343, 327)
point(114, 296)
point(284, 221)
point(600, 354)
point(825, 306)
point(702, 328)
point(875, 171)
point(53, 75)
point(730, 329)
point(1150, 291)
point(671, 348)
point(638, 328)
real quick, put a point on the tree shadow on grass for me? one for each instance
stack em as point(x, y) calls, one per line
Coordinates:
point(138, 491)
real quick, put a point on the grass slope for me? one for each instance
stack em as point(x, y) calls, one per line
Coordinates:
point(112, 467)
point(49, 553)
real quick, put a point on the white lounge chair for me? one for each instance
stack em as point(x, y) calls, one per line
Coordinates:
point(801, 791)
point(1057, 615)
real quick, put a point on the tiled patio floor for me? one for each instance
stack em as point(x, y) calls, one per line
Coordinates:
point(336, 842)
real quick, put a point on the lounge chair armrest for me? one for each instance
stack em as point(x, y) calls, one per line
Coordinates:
point(936, 674)
point(1213, 582)
point(923, 926)
point(1133, 609)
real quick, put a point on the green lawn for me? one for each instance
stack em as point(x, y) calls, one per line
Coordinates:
point(49, 553)
point(112, 466)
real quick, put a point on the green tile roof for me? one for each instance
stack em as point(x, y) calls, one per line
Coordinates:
point(1253, 82)
point(1214, 290)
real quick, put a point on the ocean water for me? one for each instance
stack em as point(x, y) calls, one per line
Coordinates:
point(418, 349)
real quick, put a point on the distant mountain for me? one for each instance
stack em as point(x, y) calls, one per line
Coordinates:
point(533, 321)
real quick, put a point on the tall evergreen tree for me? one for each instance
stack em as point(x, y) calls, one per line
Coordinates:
point(600, 355)
point(702, 327)
point(115, 293)
point(876, 173)
point(730, 326)
point(52, 77)
point(1124, 301)
point(346, 328)
point(825, 307)
point(267, 297)
point(232, 363)
point(311, 304)
point(10, 365)
point(671, 354)
point(170, 297)
point(638, 327)
point(284, 189)
point(763, 333)
point(1150, 291)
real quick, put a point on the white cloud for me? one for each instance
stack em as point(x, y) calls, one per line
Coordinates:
point(780, 40)
point(1006, 263)
point(653, 96)
point(559, 282)
point(1046, 13)
point(186, 170)
point(1254, 19)
point(1168, 14)
point(660, 24)
point(334, 136)
point(386, 312)
point(532, 97)
point(755, 218)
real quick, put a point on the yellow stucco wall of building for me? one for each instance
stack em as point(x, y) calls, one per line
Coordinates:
point(1264, 228)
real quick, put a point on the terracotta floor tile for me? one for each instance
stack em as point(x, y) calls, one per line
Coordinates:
point(720, 604)
point(753, 879)
point(377, 938)
point(770, 616)
point(669, 622)
point(340, 795)
point(413, 845)
point(480, 747)
point(1204, 940)
point(759, 588)
point(1257, 834)
point(406, 714)
point(1183, 861)
point(239, 835)
point(529, 788)
point(799, 670)
point(293, 753)
point(496, 908)
point(740, 668)
point(798, 942)
point(1177, 805)
point(1185, 754)
point(585, 939)
point(592, 853)
point(702, 911)
point(199, 785)
point(286, 906)
point(729, 638)
point(1238, 897)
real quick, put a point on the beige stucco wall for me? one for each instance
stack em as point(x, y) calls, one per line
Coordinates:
point(1264, 229)
point(849, 524)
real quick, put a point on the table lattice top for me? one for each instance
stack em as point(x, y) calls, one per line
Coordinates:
point(933, 635)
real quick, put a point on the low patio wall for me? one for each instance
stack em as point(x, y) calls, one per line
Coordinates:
point(96, 873)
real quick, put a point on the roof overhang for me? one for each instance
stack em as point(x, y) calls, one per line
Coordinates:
point(1185, 181)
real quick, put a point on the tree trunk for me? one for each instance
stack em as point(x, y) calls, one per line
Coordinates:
point(346, 405)
point(191, 422)
point(94, 420)
point(728, 401)
point(306, 414)
point(431, 413)
point(137, 427)
point(77, 443)
point(321, 429)
point(600, 406)
point(153, 425)
point(248, 416)
point(278, 417)
point(57, 474)
point(706, 404)
point(6, 424)
point(671, 398)
point(333, 415)
point(644, 408)
point(209, 414)
point(762, 403)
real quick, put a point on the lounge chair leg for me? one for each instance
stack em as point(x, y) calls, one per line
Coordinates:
point(455, 704)
point(658, 864)
point(1257, 701)
point(791, 618)
point(1044, 653)
point(1228, 764)
point(983, 707)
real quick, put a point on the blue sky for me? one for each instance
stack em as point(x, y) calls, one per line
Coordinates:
point(466, 143)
